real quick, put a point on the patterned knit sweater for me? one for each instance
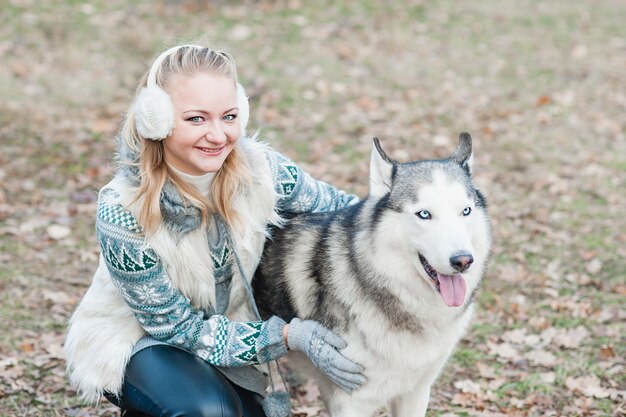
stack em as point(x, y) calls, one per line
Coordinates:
point(166, 315)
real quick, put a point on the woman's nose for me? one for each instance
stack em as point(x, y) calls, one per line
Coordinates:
point(215, 132)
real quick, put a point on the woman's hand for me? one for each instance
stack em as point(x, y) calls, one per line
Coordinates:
point(322, 347)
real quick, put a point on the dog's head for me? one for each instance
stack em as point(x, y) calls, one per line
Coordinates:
point(435, 217)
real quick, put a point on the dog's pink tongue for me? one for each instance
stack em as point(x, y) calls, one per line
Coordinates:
point(452, 288)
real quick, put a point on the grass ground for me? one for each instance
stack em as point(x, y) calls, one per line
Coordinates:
point(540, 85)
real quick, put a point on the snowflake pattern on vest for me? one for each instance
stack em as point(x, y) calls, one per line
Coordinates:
point(220, 258)
point(122, 259)
point(249, 335)
point(165, 313)
point(288, 178)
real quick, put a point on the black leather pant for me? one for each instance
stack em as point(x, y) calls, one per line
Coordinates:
point(164, 381)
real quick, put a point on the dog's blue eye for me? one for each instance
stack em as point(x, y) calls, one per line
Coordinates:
point(424, 214)
point(467, 211)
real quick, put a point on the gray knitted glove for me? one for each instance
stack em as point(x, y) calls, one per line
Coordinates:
point(322, 347)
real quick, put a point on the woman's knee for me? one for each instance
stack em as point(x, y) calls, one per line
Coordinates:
point(227, 405)
point(167, 381)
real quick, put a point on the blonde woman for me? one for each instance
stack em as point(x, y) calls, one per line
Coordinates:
point(167, 327)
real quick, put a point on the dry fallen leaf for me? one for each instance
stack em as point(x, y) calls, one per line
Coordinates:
point(571, 338)
point(463, 399)
point(58, 297)
point(27, 347)
point(467, 386)
point(607, 352)
point(504, 350)
point(594, 266)
point(543, 358)
point(10, 369)
point(547, 377)
point(58, 232)
point(620, 289)
point(485, 371)
point(588, 386)
point(543, 100)
point(520, 337)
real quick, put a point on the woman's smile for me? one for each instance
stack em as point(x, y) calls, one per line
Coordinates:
point(210, 151)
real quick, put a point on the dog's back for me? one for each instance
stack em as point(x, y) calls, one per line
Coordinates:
point(300, 261)
point(394, 274)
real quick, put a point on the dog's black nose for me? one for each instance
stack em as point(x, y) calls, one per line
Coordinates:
point(461, 261)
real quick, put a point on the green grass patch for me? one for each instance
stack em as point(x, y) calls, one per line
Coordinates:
point(534, 261)
point(14, 313)
point(467, 357)
point(564, 321)
point(596, 241)
point(481, 331)
point(17, 249)
point(523, 387)
point(605, 405)
point(619, 165)
point(438, 413)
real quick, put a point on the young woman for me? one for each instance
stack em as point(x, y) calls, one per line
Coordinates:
point(167, 327)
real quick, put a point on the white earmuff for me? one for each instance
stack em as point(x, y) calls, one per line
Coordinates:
point(153, 109)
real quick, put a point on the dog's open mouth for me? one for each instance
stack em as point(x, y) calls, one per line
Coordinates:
point(451, 287)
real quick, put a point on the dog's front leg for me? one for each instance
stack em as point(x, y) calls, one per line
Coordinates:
point(352, 410)
point(340, 404)
point(412, 404)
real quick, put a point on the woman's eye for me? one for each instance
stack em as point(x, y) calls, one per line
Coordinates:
point(230, 117)
point(467, 211)
point(424, 214)
point(195, 119)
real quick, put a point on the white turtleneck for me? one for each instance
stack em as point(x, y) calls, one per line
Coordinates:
point(201, 182)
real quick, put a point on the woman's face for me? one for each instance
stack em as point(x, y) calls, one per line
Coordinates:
point(206, 127)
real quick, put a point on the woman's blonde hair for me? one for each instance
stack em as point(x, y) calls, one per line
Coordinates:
point(232, 177)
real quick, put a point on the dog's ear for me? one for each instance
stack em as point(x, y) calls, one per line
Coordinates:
point(381, 171)
point(463, 155)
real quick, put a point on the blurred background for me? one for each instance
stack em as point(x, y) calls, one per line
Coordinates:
point(540, 85)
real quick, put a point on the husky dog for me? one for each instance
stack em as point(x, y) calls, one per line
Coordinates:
point(395, 275)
